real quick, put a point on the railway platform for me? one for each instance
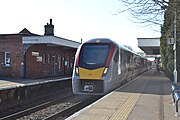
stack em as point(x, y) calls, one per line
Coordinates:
point(12, 90)
point(147, 97)
point(8, 83)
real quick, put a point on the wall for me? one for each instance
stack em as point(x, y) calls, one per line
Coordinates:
point(12, 44)
point(61, 59)
point(48, 61)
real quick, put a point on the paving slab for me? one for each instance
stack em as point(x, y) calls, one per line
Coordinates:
point(147, 97)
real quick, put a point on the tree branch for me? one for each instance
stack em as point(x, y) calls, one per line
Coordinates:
point(146, 11)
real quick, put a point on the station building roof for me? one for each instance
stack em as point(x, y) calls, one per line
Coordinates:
point(50, 40)
point(31, 38)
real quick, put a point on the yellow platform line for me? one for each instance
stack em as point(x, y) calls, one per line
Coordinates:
point(125, 109)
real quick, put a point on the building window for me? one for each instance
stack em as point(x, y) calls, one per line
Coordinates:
point(44, 58)
point(72, 62)
point(53, 59)
point(48, 58)
point(7, 59)
point(59, 62)
point(68, 62)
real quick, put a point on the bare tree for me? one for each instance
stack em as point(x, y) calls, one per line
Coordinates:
point(146, 11)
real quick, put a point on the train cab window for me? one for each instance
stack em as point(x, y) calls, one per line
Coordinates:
point(94, 55)
point(116, 57)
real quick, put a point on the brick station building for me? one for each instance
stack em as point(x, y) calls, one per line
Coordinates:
point(28, 55)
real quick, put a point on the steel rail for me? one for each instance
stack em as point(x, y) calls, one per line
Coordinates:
point(38, 107)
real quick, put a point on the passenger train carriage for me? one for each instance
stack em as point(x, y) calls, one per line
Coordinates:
point(101, 65)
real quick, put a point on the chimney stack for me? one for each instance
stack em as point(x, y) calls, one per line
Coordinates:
point(49, 29)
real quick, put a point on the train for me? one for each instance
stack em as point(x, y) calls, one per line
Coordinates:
point(101, 65)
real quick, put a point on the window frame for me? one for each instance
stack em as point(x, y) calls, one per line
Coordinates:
point(7, 60)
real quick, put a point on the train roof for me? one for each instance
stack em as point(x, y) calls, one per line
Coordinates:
point(127, 49)
point(106, 40)
point(100, 40)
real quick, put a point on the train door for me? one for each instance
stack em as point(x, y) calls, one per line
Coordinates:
point(119, 62)
point(116, 65)
point(131, 66)
point(123, 63)
point(137, 64)
point(129, 63)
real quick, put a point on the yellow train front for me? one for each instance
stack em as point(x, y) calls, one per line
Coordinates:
point(93, 67)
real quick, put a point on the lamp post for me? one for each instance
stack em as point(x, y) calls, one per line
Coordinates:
point(175, 70)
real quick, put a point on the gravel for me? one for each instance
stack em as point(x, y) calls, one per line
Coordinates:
point(42, 114)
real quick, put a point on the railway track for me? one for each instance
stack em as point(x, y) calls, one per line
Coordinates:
point(62, 105)
point(26, 107)
point(61, 115)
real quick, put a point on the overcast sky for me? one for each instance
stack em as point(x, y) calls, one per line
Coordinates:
point(73, 19)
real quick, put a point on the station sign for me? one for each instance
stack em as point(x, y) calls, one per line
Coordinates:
point(170, 41)
point(35, 53)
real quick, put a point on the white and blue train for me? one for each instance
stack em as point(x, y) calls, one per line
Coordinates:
point(101, 65)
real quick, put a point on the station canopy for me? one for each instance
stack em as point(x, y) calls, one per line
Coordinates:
point(50, 40)
point(151, 46)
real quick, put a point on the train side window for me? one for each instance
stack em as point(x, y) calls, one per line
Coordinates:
point(116, 57)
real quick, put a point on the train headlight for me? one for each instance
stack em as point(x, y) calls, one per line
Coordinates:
point(77, 70)
point(105, 71)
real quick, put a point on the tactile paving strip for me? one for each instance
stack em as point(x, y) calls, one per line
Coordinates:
point(125, 109)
